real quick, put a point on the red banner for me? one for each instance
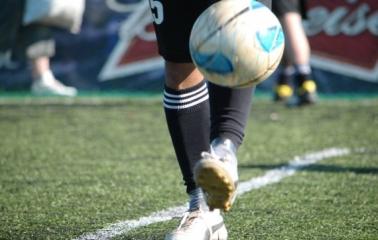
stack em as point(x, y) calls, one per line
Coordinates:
point(344, 36)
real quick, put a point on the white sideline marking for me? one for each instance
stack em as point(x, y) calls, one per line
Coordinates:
point(270, 177)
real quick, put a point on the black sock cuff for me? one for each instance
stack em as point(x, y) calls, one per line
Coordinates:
point(186, 100)
point(186, 90)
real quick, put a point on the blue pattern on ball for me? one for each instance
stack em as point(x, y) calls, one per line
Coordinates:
point(213, 63)
point(256, 5)
point(271, 38)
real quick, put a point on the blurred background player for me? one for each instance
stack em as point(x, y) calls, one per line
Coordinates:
point(295, 71)
point(33, 43)
point(206, 123)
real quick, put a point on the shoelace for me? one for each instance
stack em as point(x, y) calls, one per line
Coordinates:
point(189, 219)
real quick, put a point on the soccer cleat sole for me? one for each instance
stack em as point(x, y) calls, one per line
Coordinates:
point(217, 184)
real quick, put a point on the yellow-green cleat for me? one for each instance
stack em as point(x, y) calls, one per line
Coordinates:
point(307, 93)
point(282, 92)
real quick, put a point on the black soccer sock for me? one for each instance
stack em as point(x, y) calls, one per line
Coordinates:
point(188, 118)
point(286, 75)
point(229, 112)
point(303, 73)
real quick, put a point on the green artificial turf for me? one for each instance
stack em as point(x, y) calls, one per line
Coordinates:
point(69, 167)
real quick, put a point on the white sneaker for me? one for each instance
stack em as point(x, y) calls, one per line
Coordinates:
point(48, 85)
point(200, 225)
point(217, 174)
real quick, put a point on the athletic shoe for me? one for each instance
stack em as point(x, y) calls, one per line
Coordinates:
point(282, 92)
point(216, 173)
point(307, 93)
point(48, 85)
point(200, 225)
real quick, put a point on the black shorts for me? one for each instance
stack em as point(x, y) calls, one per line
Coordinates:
point(174, 31)
point(281, 7)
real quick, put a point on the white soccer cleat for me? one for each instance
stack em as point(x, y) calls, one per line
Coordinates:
point(217, 174)
point(200, 225)
point(48, 85)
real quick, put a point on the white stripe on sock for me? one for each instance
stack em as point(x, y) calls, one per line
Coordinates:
point(188, 99)
point(184, 95)
point(179, 107)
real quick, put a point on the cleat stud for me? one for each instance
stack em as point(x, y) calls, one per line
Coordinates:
point(228, 207)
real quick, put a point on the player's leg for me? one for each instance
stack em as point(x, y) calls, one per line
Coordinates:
point(298, 48)
point(283, 89)
point(186, 96)
point(186, 105)
point(38, 46)
point(33, 43)
point(217, 172)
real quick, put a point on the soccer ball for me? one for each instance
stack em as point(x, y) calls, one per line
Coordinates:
point(237, 43)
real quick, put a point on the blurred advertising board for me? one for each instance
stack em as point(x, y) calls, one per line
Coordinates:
point(116, 49)
point(344, 38)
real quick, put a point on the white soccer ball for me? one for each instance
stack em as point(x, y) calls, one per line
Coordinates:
point(237, 43)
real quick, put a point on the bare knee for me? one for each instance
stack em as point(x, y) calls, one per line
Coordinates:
point(181, 75)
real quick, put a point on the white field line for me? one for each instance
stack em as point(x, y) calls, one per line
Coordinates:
point(270, 177)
